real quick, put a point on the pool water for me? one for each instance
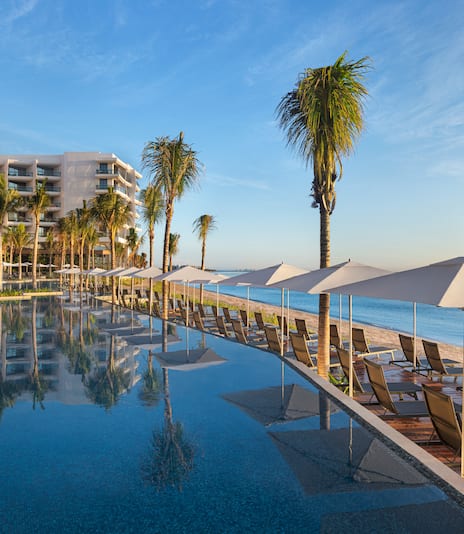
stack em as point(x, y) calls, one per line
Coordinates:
point(98, 436)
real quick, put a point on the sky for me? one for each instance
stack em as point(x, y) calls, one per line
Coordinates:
point(111, 75)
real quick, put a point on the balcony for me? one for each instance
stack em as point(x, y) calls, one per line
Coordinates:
point(17, 218)
point(52, 188)
point(54, 207)
point(47, 172)
point(20, 188)
point(108, 171)
point(17, 171)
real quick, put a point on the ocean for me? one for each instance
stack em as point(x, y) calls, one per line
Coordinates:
point(439, 324)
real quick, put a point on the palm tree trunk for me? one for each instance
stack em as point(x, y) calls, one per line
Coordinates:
point(151, 238)
point(203, 254)
point(35, 252)
point(113, 266)
point(167, 230)
point(1, 256)
point(20, 261)
point(323, 347)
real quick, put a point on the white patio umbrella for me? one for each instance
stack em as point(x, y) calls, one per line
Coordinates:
point(215, 279)
point(324, 280)
point(149, 273)
point(186, 274)
point(265, 277)
point(438, 284)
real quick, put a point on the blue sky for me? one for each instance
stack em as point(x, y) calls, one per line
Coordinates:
point(110, 75)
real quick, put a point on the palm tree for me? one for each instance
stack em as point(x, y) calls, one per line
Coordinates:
point(173, 247)
point(37, 203)
point(84, 227)
point(72, 229)
point(113, 214)
point(61, 237)
point(9, 200)
point(202, 226)
point(174, 168)
point(133, 244)
point(152, 211)
point(8, 241)
point(322, 118)
point(21, 239)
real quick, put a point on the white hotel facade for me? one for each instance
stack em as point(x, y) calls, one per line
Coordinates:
point(71, 178)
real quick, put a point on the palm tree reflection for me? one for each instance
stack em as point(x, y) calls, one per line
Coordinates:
point(38, 386)
point(171, 455)
point(107, 384)
point(150, 392)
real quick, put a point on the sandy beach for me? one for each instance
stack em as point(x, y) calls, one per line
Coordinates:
point(374, 334)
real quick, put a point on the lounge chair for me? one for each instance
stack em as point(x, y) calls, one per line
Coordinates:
point(214, 309)
point(382, 393)
point(156, 311)
point(438, 365)
point(222, 327)
point(273, 339)
point(227, 317)
point(245, 319)
point(242, 337)
point(200, 324)
point(362, 348)
point(335, 339)
point(279, 320)
point(202, 310)
point(302, 329)
point(259, 321)
point(300, 348)
point(399, 388)
point(407, 346)
point(446, 421)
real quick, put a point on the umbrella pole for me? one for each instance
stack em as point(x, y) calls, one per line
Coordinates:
point(414, 334)
point(288, 313)
point(187, 307)
point(340, 315)
point(217, 296)
point(462, 408)
point(248, 306)
point(282, 305)
point(350, 376)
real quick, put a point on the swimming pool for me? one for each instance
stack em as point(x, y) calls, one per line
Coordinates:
point(97, 436)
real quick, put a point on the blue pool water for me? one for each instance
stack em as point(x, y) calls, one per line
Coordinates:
point(96, 436)
point(441, 324)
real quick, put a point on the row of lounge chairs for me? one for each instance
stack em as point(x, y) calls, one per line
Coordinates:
point(436, 405)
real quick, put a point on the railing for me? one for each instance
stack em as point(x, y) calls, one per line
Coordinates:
point(20, 188)
point(105, 171)
point(47, 172)
point(52, 188)
point(19, 172)
point(55, 205)
point(13, 217)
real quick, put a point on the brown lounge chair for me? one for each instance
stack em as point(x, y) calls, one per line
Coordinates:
point(245, 319)
point(301, 328)
point(407, 346)
point(242, 337)
point(379, 386)
point(222, 327)
point(200, 325)
point(300, 348)
point(399, 388)
point(437, 364)
point(446, 421)
point(335, 339)
point(362, 348)
point(273, 339)
point(259, 322)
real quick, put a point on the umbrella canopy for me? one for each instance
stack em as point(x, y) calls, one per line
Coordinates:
point(189, 360)
point(73, 270)
point(323, 280)
point(95, 271)
point(439, 284)
point(266, 276)
point(187, 274)
point(276, 404)
point(113, 272)
point(343, 460)
point(128, 272)
point(149, 341)
point(149, 272)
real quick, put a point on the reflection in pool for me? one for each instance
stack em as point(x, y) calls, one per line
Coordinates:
point(105, 431)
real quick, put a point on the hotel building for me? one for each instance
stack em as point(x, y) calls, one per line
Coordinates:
point(71, 178)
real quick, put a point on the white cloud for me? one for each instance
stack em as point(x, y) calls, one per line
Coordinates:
point(13, 10)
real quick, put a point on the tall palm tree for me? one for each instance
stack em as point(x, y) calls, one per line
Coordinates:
point(173, 247)
point(202, 226)
point(9, 200)
point(152, 212)
point(84, 227)
point(61, 237)
point(22, 239)
point(113, 214)
point(322, 117)
point(38, 204)
point(174, 168)
point(72, 230)
point(50, 240)
point(9, 242)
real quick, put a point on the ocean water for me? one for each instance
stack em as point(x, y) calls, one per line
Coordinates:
point(440, 324)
